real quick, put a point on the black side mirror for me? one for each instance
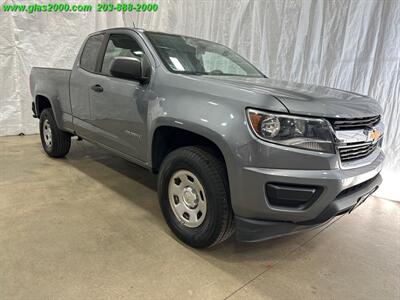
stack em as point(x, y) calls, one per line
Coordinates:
point(128, 68)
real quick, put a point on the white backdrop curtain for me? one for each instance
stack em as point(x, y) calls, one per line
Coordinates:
point(352, 45)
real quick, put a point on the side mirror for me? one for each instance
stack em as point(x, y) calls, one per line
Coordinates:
point(128, 68)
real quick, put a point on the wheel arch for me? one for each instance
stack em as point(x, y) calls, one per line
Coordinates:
point(42, 102)
point(168, 137)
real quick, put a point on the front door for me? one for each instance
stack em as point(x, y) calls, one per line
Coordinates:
point(119, 106)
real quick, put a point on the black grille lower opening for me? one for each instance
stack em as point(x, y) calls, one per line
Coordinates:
point(355, 188)
point(285, 195)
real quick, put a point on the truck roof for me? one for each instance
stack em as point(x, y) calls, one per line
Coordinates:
point(109, 29)
point(141, 30)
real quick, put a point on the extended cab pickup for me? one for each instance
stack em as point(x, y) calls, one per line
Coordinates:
point(233, 149)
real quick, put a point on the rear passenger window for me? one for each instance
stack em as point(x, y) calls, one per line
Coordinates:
point(90, 52)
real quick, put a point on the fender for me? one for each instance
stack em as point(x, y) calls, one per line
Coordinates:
point(54, 106)
point(203, 131)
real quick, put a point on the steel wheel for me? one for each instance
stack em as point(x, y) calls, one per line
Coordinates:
point(47, 133)
point(55, 142)
point(187, 198)
point(193, 191)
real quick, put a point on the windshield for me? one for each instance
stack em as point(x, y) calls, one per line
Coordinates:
point(188, 55)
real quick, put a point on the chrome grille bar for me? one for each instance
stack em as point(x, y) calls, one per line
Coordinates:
point(356, 151)
point(356, 123)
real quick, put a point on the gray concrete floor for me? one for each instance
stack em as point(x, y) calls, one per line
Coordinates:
point(89, 227)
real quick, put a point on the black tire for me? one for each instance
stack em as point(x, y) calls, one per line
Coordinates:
point(217, 225)
point(60, 140)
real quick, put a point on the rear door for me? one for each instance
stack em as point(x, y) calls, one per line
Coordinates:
point(119, 106)
point(83, 74)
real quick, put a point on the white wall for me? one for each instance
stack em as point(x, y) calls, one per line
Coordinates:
point(351, 45)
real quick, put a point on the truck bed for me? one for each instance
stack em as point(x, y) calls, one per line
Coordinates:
point(54, 85)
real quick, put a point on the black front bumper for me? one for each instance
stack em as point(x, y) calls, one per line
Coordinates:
point(250, 230)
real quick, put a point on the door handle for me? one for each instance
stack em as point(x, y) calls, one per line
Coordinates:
point(97, 88)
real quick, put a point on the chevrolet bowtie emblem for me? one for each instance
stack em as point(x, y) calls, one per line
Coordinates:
point(373, 135)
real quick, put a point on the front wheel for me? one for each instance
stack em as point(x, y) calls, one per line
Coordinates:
point(194, 197)
point(55, 142)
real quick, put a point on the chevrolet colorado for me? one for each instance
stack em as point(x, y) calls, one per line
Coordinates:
point(233, 149)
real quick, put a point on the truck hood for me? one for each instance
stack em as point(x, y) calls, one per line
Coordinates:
point(306, 99)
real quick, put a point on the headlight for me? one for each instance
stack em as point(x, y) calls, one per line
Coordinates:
point(293, 131)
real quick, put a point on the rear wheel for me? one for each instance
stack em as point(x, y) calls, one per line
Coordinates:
point(194, 197)
point(55, 142)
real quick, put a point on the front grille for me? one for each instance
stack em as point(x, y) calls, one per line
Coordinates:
point(356, 150)
point(357, 123)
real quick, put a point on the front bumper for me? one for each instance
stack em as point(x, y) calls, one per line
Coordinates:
point(250, 230)
point(341, 190)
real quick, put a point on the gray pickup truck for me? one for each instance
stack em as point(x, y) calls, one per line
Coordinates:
point(233, 149)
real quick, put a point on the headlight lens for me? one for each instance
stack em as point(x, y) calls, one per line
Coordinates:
point(293, 131)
